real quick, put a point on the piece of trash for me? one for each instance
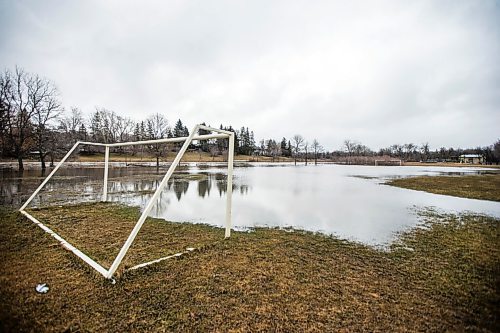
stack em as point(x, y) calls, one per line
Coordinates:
point(190, 249)
point(42, 288)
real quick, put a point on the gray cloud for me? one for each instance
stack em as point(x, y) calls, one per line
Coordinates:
point(380, 72)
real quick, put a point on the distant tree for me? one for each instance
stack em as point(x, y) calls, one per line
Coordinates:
point(397, 150)
point(306, 147)
point(284, 149)
point(96, 127)
point(246, 141)
point(271, 148)
point(496, 151)
point(262, 147)
point(424, 150)
point(4, 114)
point(43, 99)
point(180, 130)
point(214, 151)
point(317, 148)
point(137, 132)
point(298, 142)
point(349, 147)
point(204, 144)
point(82, 132)
point(409, 149)
point(157, 128)
point(71, 124)
point(123, 128)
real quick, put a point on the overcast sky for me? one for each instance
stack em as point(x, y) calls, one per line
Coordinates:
point(380, 72)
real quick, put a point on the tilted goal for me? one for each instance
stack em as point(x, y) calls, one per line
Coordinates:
point(108, 273)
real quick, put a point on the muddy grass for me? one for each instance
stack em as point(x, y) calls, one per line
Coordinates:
point(484, 187)
point(441, 277)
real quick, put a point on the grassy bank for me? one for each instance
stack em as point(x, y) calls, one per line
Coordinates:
point(484, 187)
point(444, 277)
point(453, 165)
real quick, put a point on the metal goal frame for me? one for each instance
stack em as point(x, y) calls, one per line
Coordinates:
point(108, 273)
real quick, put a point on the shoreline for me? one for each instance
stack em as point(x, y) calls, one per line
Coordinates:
point(35, 165)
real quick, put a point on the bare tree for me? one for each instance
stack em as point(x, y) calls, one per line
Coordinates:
point(496, 150)
point(72, 122)
point(124, 127)
point(298, 142)
point(17, 113)
point(350, 147)
point(275, 149)
point(43, 100)
point(214, 150)
point(3, 126)
point(157, 128)
point(425, 151)
point(306, 147)
point(317, 148)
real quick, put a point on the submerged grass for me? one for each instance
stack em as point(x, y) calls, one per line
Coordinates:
point(484, 186)
point(444, 277)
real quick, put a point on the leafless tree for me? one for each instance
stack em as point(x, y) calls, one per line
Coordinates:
point(317, 148)
point(409, 149)
point(17, 113)
point(424, 150)
point(306, 147)
point(214, 150)
point(275, 149)
point(496, 150)
point(43, 100)
point(72, 122)
point(157, 128)
point(349, 147)
point(298, 142)
point(124, 127)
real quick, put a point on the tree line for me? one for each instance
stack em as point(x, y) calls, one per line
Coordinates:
point(354, 152)
point(33, 123)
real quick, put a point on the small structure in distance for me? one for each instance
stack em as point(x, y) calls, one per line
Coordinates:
point(471, 159)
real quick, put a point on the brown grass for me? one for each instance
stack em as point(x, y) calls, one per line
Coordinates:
point(484, 187)
point(444, 278)
point(452, 164)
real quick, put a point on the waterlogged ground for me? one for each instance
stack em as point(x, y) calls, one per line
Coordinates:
point(442, 277)
point(347, 201)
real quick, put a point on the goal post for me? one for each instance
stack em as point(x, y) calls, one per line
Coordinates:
point(108, 273)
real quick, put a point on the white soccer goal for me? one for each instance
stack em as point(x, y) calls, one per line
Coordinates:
point(108, 273)
point(388, 162)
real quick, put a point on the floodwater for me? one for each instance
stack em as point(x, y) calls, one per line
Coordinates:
point(347, 201)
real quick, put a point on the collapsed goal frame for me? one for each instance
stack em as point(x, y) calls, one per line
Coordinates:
point(108, 273)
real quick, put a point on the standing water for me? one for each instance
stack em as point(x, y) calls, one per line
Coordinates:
point(348, 201)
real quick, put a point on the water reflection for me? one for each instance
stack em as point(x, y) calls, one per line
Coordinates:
point(204, 187)
point(86, 184)
point(348, 201)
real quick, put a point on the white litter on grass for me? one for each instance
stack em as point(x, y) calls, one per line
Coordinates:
point(190, 249)
point(42, 288)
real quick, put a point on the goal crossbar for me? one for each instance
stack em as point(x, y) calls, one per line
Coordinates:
point(377, 162)
point(108, 273)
